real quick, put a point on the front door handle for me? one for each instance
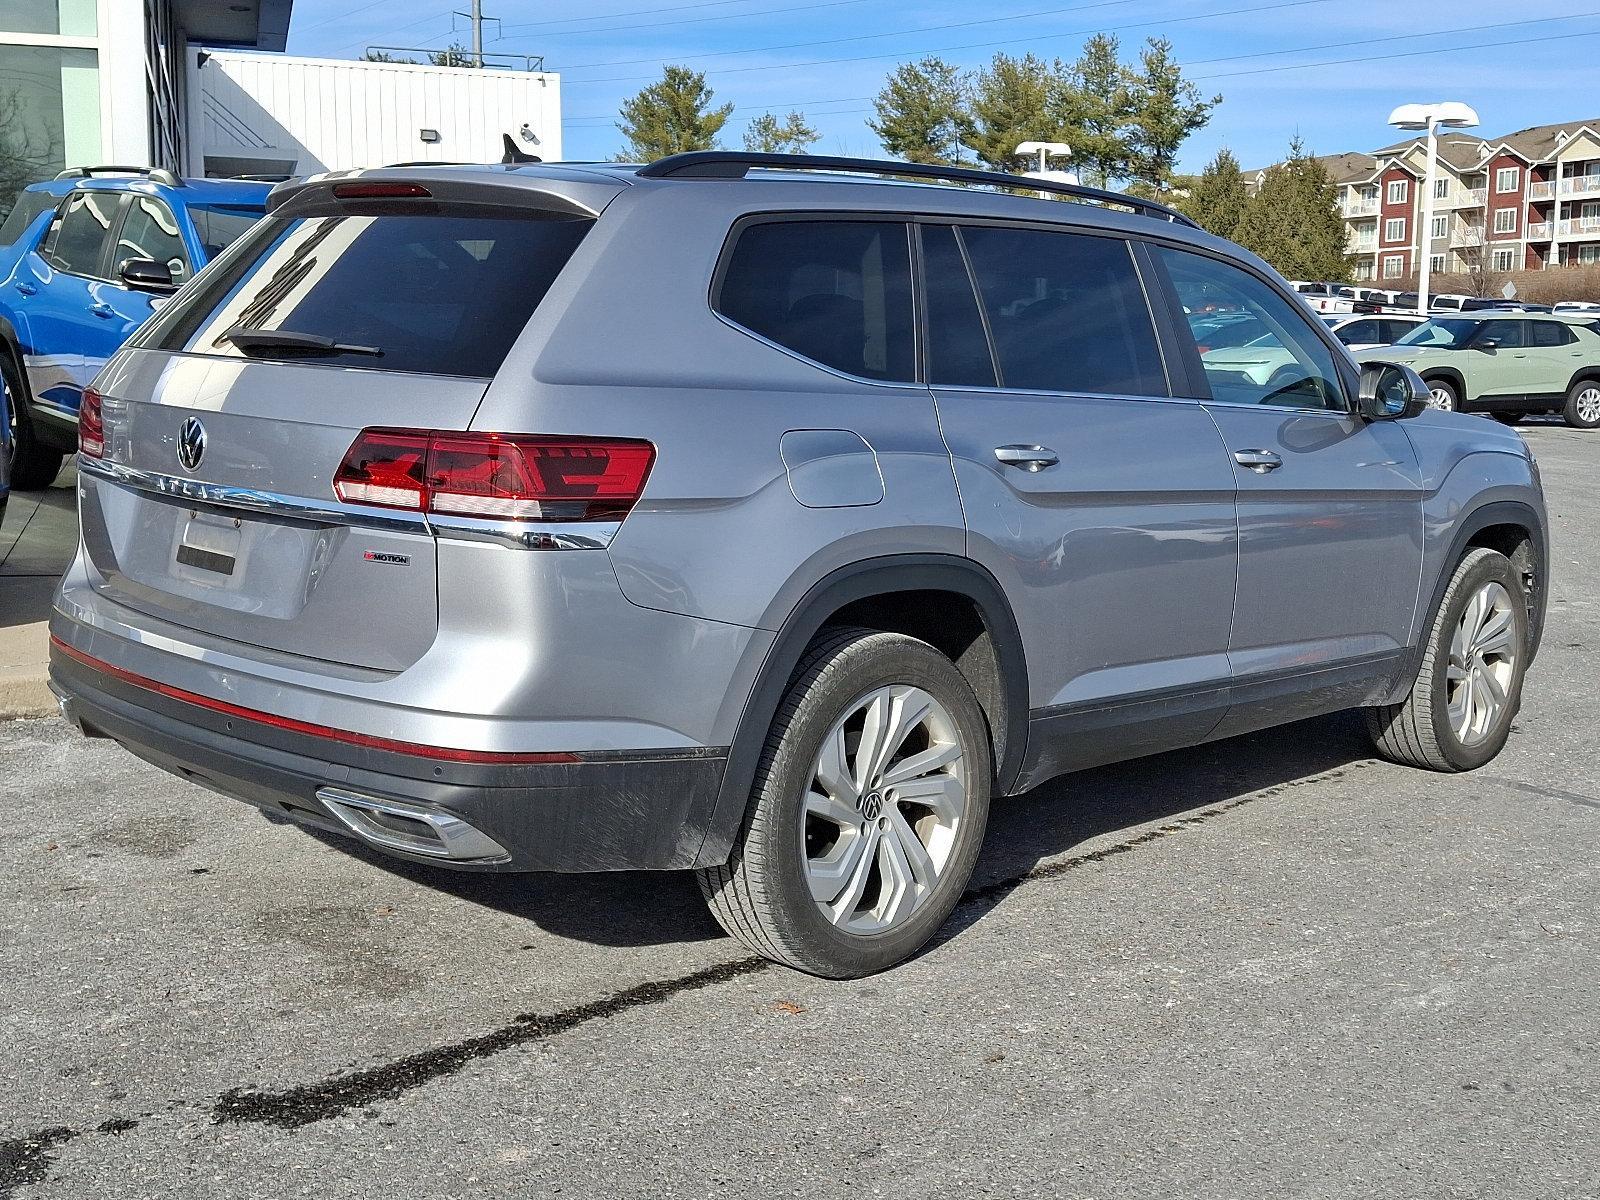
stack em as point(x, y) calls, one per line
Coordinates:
point(1029, 458)
point(1259, 461)
point(26, 288)
point(102, 310)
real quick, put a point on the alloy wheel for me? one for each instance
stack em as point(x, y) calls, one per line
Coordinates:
point(1587, 404)
point(1482, 665)
point(884, 808)
point(1441, 398)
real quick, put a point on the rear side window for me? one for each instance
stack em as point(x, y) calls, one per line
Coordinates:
point(433, 294)
point(1552, 333)
point(219, 227)
point(28, 206)
point(76, 245)
point(1066, 311)
point(837, 292)
point(958, 347)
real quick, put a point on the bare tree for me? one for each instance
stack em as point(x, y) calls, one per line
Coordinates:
point(1477, 259)
point(24, 157)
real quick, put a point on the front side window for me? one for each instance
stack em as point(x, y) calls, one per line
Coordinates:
point(437, 294)
point(837, 292)
point(1066, 311)
point(151, 231)
point(1358, 333)
point(78, 243)
point(1285, 364)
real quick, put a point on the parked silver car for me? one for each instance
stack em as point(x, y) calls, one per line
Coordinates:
point(731, 515)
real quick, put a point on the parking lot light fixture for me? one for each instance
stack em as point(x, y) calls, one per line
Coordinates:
point(1446, 114)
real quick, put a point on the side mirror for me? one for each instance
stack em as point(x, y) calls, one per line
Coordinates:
point(1488, 343)
point(1390, 392)
point(147, 275)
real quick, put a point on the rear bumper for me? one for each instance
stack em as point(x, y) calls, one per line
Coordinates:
point(606, 811)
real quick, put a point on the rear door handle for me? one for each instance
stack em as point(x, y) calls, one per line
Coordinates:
point(1259, 461)
point(1029, 458)
point(102, 310)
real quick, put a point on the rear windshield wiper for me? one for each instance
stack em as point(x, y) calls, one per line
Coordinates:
point(253, 340)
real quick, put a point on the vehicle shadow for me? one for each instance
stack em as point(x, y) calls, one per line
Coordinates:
point(38, 538)
point(659, 908)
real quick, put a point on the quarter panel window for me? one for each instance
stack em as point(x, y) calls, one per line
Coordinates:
point(1067, 312)
point(958, 347)
point(151, 231)
point(1281, 362)
point(76, 246)
point(837, 292)
point(1552, 333)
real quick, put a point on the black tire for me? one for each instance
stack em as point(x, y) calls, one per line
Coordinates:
point(1446, 396)
point(761, 896)
point(1509, 418)
point(1582, 409)
point(1417, 732)
point(34, 466)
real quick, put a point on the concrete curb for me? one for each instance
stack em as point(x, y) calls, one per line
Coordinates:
point(26, 696)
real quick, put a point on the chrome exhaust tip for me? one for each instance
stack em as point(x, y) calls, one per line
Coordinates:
point(407, 828)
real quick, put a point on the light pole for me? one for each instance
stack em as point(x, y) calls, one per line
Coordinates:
point(1446, 114)
point(1046, 151)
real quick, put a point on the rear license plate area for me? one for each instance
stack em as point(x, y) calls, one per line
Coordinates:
point(209, 544)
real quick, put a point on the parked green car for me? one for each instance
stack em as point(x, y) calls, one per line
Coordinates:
point(1506, 364)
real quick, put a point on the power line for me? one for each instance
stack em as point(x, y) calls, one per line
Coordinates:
point(638, 12)
point(861, 37)
point(1498, 25)
point(1032, 39)
point(760, 12)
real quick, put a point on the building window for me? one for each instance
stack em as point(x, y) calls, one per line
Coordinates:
point(1505, 220)
point(1507, 179)
point(1589, 255)
point(1441, 189)
point(1436, 263)
point(1399, 189)
point(1394, 266)
point(1369, 192)
point(49, 105)
point(1441, 227)
point(64, 18)
point(1394, 229)
point(1505, 260)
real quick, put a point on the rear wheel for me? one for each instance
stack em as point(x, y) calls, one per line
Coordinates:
point(868, 810)
point(1459, 712)
point(33, 465)
point(1582, 410)
point(1443, 396)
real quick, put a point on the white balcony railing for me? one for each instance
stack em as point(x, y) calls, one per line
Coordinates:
point(1585, 227)
point(1463, 234)
point(1478, 197)
point(1360, 208)
point(1540, 231)
point(1541, 191)
point(1577, 185)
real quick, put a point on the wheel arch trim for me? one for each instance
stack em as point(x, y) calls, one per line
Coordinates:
point(846, 585)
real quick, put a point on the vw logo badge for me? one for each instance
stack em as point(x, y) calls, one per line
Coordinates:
point(191, 443)
point(871, 805)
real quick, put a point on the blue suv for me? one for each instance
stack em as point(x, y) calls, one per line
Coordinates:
point(84, 259)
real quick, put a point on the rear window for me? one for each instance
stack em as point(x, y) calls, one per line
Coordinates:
point(28, 206)
point(432, 294)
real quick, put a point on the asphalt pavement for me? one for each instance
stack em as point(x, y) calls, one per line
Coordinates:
point(1269, 967)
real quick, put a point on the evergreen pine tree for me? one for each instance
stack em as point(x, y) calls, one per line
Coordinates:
point(1218, 199)
point(921, 113)
point(1293, 220)
point(672, 117)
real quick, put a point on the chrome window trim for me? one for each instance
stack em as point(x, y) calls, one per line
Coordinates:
point(521, 535)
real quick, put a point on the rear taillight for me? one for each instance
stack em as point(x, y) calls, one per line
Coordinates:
point(91, 426)
point(502, 476)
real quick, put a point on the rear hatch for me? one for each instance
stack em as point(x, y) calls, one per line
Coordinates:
point(225, 422)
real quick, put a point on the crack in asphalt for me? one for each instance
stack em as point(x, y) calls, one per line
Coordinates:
point(26, 1160)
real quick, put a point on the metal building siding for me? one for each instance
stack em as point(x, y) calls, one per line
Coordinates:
point(329, 115)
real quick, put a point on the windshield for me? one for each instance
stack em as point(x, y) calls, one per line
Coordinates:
point(1448, 334)
point(220, 227)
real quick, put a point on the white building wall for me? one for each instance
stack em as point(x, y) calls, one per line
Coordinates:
point(303, 115)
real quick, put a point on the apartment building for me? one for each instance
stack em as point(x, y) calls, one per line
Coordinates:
point(1527, 200)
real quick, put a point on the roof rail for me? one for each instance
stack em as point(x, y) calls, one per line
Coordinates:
point(731, 164)
point(156, 174)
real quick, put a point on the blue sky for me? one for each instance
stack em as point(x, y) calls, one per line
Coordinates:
point(1326, 70)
